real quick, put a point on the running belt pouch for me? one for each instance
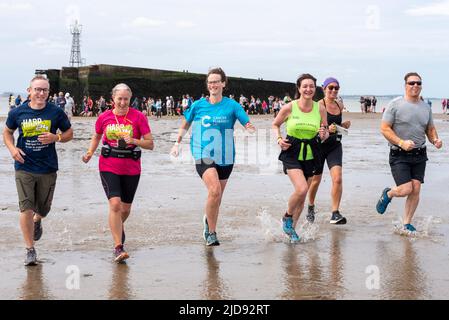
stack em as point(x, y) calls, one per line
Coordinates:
point(136, 154)
point(106, 151)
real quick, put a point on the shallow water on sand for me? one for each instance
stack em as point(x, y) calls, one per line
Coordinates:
point(254, 261)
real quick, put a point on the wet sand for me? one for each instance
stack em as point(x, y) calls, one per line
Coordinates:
point(168, 256)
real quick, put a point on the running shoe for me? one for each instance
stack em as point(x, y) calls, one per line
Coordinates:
point(120, 255)
point(409, 227)
point(311, 214)
point(205, 228)
point(294, 238)
point(212, 239)
point(31, 257)
point(37, 230)
point(337, 218)
point(383, 202)
point(287, 225)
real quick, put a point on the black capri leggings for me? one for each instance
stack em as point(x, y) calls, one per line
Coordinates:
point(120, 186)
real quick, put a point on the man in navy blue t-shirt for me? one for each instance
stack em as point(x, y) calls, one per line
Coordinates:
point(36, 161)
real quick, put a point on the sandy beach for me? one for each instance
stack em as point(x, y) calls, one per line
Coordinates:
point(254, 261)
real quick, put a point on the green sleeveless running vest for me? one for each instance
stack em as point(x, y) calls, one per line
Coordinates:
point(304, 126)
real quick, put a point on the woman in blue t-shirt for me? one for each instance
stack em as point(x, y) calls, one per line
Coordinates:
point(212, 144)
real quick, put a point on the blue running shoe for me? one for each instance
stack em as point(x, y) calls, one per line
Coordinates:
point(212, 240)
point(205, 228)
point(287, 225)
point(383, 202)
point(409, 227)
point(294, 238)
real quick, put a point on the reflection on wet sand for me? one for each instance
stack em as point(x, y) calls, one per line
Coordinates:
point(34, 286)
point(404, 278)
point(120, 288)
point(336, 267)
point(214, 287)
point(301, 280)
point(310, 279)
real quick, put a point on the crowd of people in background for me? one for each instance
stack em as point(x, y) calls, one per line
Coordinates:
point(156, 106)
point(368, 104)
point(168, 106)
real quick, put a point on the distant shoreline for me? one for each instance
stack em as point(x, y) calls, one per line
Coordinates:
point(346, 115)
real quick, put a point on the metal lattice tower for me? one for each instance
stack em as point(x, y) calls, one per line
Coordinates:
point(75, 54)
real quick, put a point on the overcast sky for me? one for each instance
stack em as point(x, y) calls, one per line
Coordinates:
point(367, 45)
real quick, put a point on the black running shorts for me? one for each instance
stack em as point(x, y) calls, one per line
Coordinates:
point(406, 168)
point(307, 167)
point(332, 154)
point(223, 171)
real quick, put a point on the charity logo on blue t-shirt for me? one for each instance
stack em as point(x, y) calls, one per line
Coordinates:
point(39, 158)
point(213, 129)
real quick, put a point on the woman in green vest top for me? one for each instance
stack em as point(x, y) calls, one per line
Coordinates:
point(306, 123)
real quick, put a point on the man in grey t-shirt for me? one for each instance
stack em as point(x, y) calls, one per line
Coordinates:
point(405, 124)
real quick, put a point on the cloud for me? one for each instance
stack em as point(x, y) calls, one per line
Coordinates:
point(434, 9)
point(48, 46)
point(142, 22)
point(8, 8)
point(185, 24)
point(259, 44)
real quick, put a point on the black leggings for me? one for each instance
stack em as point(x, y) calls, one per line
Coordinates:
point(120, 186)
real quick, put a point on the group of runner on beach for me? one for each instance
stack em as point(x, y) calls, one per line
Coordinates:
point(314, 132)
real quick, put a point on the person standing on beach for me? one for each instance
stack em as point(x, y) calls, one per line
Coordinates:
point(69, 106)
point(124, 131)
point(11, 101)
point(306, 123)
point(35, 158)
point(331, 152)
point(60, 100)
point(212, 144)
point(18, 101)
point(362, 104)
point(405, 124)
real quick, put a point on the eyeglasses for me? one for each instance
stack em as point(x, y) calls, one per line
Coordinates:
point(214, 82)
point(43, 90)
point(333, 88)
point(412, 83)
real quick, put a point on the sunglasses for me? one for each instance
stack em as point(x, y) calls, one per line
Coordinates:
point(333, 88)
point(412, 83)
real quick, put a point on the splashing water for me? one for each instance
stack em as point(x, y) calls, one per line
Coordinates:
point(308, 231)
point(272, 228)
point(423, 227)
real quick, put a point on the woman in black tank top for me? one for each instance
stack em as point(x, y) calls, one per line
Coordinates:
point(332, 153)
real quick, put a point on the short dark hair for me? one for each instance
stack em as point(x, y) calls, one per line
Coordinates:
point(217, 71)
point(39, 77)
point(411, 74)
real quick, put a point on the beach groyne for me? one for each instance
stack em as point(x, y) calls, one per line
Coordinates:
point(97, 80)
